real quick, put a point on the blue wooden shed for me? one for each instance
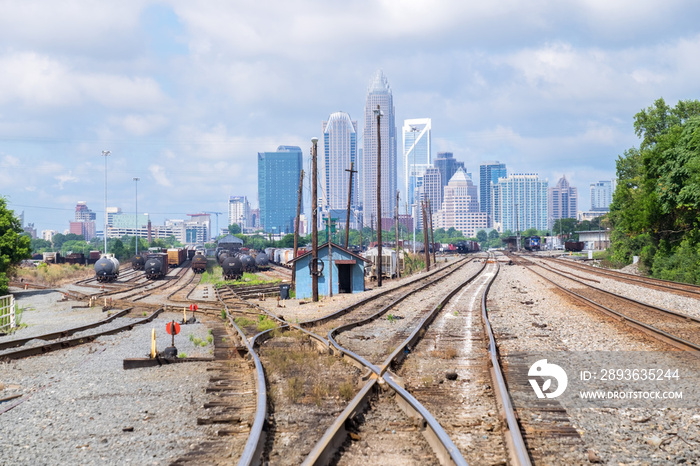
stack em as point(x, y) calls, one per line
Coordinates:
point(348, 272)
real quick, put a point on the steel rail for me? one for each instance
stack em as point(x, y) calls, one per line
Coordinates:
point(670, 284)
point(253, 448)
point(632, 300)
point(341, 312)
point(62, 333)
point(514, 439)
point(398, 355)
point(650, 330)
point(255, 444)
point(337, 330)
point(442, 445)
point(335, 435)
point(23, 353)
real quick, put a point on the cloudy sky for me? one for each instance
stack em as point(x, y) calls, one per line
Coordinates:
point(184, 94)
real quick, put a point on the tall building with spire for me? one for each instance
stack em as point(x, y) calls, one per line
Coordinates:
point(379, 93)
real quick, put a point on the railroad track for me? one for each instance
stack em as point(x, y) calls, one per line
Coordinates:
point(298, 423)
point(424, 422)
point(67, 338)
point(682, 289)
point(677, 329)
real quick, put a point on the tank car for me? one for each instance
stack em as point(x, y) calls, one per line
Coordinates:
point(248, 262)
point(262, 261)
point(199, 263)
point(138, 261)
point(232, 267)
point(156, 265)
point(107, 268)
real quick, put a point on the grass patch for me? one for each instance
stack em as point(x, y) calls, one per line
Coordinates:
point(318, 392)
point(265, 323)
point(346, 391)
point(54, 274)
point(295, 389)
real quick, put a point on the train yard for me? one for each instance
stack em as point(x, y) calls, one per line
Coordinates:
point(428, 369)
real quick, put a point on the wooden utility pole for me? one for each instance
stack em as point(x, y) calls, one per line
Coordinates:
point(296, 226)
point(330, 256)
point(396, 232)
point(378, 112)
point(314, 221)
point(425, 237)
point(347, 221)
point(432, 237)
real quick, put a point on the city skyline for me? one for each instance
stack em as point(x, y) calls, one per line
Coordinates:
point(184, 96)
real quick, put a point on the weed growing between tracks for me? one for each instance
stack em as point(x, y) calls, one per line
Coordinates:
point(306, 390)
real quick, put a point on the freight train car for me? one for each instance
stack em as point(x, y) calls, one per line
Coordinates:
point(574, 246)
point(199, 263)
point(466, 247)
point(107, 268)
point(156, 265)
point(176, 256)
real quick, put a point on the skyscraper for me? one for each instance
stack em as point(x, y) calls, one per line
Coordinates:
point(278, 184)
point(489, 173)
point(432, 191)
point(522, 202)
point(379, 93)
point(460, 207)
point(563, 201)
point(340, 150)
point(448, 166)
point(601, 195)
point(239, 212)
point(417, 135)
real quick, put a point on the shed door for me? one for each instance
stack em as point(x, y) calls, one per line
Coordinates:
point(345, 278)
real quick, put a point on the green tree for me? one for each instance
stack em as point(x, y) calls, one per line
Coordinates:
point(14, 245)
point(481, 236)
point(40, 245)
point(234, 229)
point(655, 205)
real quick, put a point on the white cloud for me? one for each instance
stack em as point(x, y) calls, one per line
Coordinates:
point(65, 178)
point(160, 176)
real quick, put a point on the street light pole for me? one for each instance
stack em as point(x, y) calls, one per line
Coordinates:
point(136, 183)
point(105, 154)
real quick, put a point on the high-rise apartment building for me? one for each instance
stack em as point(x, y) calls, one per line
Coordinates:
point(431, 194)
point(601, 195)
point(417, 135)
point(562, 202)
point(239, 212)
point(460, 206)
point(489, 173)
point(339, 152)
point(278, 184)
point(521, 201)
point(379, 94)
